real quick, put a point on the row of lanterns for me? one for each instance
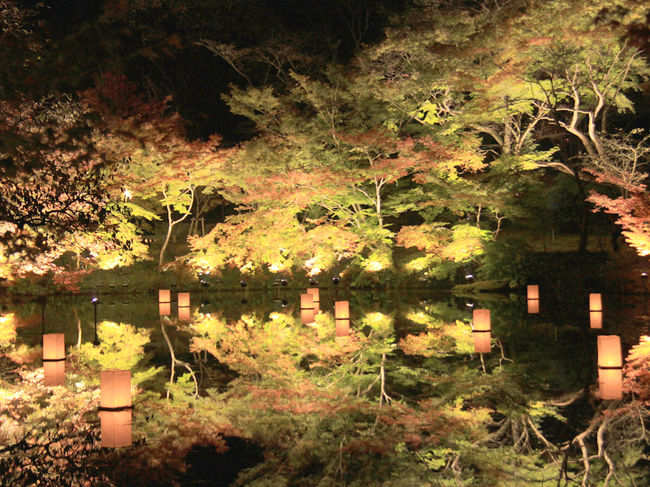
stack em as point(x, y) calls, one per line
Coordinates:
point(115, 410)
point(595, 305)
point(310, 307)
point(165, 304)
point(610, 356)
point(115, 392)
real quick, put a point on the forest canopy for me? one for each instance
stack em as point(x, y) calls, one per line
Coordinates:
point(379, 151)
point(361, 138)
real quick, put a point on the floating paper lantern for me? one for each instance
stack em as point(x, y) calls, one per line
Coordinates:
point(184, 314)
point(164, 302)
point(482, 330)
point(53, 359)
point(183, 300)
point(595, 310)
point(342, 318)
point(184, 310)
point(164, 309)
point(610, 367)
point(314, 291)
point(307, 309)
point(115, 408)
point(532, 297)
point(306, 301)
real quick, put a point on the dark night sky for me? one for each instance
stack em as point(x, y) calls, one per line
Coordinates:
point(156, 47)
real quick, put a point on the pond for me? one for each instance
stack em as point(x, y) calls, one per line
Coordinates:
point(409, 350)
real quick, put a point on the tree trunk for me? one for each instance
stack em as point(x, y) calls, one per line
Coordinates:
point(171, 222)
point(584, 216)
point(76, 317)
point(164, 245)
point(378, 203)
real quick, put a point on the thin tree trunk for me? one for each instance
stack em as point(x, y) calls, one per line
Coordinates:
point(171, 222)
point(584, 217)
point(170, 226)
point(76, 317)
point(378, 203)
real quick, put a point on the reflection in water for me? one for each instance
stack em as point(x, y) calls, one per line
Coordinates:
point(342, 318)
point(314, 291)
point(482, 330)
point(532, 298)
point(164, 302)
point(115, 408)
point(402, 386)
point(610, 367)
point(307, 311)
point(53, 359)
point(595, 310)
point(184, 310)
point(175, 362)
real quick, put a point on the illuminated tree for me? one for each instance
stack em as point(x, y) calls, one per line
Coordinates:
point(321, 158)
point(623, 167)
point(525, 79)
point(156, 162)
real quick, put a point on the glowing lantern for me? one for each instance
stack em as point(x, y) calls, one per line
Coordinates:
point(115, 408)
point(184, 307)
point(314, 291)
point(532, 297)
point(482, 330)
point(53, 359)
point(610, 367)
point(342, 318)
point(165, 309)
point(595, 310)
point(164, 302)
point(184, 314)
point(183, 300)
point(306, 301)
point(307, 309)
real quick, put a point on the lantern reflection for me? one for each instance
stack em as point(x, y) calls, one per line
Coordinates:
point(164, 309)
point(115, 408)
point(53, 359)
point(315, 293)
point(482, 330)
point(342, 318)
point(184, 310)
point(595, 310)
point(610, 367)
point(532, 298)
point(307, 309)
point(184, 314)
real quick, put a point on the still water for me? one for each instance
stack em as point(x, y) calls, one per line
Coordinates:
point(557, 340)
point(416, 344)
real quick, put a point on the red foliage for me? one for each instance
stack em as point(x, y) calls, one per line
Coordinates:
point(70, 280)
point(633, 215)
